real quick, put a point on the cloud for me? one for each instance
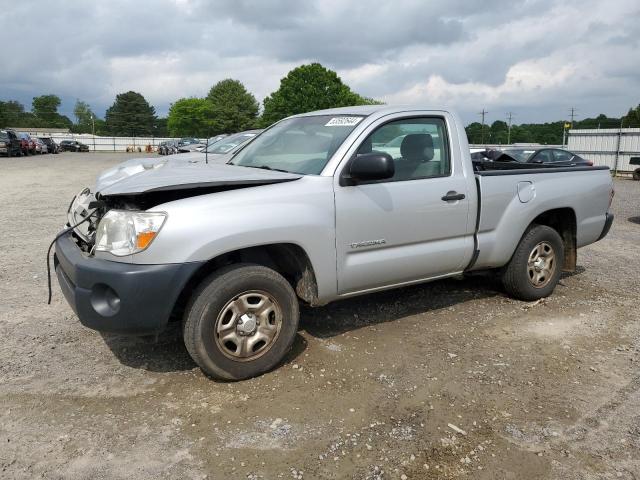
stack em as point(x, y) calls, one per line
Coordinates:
point(536, 58)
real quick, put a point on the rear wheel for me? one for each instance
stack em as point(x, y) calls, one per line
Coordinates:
point(534, 270)
point(241, 322)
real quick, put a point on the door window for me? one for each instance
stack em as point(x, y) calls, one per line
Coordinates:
point(562, 156)
point(418, 146)
point(543, 156)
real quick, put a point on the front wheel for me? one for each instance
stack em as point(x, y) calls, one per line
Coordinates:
point(636, 174)
point(241, 322)
point(534, 270)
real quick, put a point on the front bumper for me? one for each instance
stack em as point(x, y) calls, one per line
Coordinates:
point(119, 297)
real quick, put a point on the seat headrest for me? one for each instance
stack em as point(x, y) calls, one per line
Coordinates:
point(417, 147)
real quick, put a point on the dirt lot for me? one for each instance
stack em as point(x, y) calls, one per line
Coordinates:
point(446, 380)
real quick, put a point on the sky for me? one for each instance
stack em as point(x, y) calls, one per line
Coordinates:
point(534, 58)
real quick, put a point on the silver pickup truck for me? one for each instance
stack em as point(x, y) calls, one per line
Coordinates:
point(319, 207)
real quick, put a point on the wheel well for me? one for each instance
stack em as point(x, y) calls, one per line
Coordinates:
point(563, 221)
point(288, 259)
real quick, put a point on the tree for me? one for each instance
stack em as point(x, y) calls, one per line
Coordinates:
point(85, 118)
point(307, 88)
point(45, 107)
point(191, 117)
point(11, 114)
point(233, 107)
point(632, 118)
point(44, 111)
point(130, 114)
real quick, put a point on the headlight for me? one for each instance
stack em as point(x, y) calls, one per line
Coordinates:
point(122, 232)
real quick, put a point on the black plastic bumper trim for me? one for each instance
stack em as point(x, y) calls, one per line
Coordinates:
point(119, 297)
point(607, 226)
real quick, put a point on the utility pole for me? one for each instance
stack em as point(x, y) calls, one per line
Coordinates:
point(573, 114)
point(509, 117)
point(93, 131)
point(483, 113)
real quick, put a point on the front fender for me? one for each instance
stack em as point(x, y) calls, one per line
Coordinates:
point(203, 227)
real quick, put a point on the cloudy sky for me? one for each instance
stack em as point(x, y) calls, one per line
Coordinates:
point(535, 58)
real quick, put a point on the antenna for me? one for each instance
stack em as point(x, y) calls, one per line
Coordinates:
point(206, 151)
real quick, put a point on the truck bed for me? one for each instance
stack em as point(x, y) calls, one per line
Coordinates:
point(511, 199)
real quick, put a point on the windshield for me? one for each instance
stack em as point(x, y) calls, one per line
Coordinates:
point(519, 155)
point(298, 145)
point(229, 143)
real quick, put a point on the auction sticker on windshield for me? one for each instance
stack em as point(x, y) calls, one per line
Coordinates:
point(343, 121)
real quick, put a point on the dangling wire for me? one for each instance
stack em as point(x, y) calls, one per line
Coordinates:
point(62, 233)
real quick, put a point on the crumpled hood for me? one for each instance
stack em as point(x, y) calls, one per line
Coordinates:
point(136, 166)
point(185, 176)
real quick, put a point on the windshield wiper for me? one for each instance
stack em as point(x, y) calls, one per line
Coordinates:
point(267, 167)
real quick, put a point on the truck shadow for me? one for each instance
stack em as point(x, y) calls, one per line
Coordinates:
point(167, 352)
point(388, 306)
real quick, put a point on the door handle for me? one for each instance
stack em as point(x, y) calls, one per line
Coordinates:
point(451, 196)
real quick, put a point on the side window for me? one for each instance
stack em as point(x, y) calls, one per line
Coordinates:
point(543, 156)
point(418, 146)
point(562, 156)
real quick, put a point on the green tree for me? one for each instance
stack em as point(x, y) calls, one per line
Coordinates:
point(130, 114)
point(85, 118)
point(44, 113)
point(45, 107)
point(191, 117)
point(632, 118)
point(11, 114)
point(307, 88)
point(233, 107)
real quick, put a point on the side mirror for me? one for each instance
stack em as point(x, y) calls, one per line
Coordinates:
point(537, 160)
point(371, 166)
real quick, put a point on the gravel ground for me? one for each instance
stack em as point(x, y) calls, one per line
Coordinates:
point(445, 380)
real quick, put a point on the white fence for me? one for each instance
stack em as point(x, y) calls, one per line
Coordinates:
point(612, 147)
point(108, 144)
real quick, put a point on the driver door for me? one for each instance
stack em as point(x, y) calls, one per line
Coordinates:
point(402, 230)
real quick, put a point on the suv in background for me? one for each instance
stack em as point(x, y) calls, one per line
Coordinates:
point(52, 147)
point(10, 144)
point(27, 146)
point(73, 146)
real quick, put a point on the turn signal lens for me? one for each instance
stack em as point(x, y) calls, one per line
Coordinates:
point(143, 239)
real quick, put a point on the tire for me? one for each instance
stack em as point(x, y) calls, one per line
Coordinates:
point(636, 174)
point(215, 313)
point(535, 268)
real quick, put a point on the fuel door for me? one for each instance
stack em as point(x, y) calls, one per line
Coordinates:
point(526, 191)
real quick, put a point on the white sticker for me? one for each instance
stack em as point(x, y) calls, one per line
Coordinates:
point(343, 121)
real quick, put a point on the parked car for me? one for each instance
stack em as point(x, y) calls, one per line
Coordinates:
point(542, 156)
point(10, 144)
point(73, 146)
point(52, 146)
point(211, 141)
point(636, 172)
point(27, 145)
point(41, 148)
point(134, 166)
point(162, 148)
point(310, 211)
